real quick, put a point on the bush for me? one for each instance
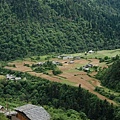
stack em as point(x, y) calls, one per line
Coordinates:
point(56, 71)
point(27, 65)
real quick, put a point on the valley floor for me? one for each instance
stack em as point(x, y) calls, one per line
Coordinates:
point(70, 74)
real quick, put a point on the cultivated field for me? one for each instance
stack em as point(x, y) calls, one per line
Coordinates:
point(70, 74)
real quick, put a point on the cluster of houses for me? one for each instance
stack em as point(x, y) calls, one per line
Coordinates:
point(64, 57)
point(87, 67)
point(26, 112)
point(53, 62)
point(12, 77)
point(56, 63)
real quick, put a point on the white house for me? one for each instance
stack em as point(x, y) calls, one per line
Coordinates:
point(71, 62)
point(65, 57)
point(12, 77)
point(18, 78)
point(91, 51)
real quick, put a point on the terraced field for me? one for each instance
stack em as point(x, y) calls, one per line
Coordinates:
point(70, 74)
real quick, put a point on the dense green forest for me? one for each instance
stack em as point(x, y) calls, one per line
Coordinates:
point(62, 114)
point(35, 27)
point(110, 77)
point(42, 92)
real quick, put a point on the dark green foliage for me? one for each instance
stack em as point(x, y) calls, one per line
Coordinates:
point(35, 27)
point(109, 95)
point(111, 77)
point(27, 65)
point(48, 65)
point(60, 114)
point(56, 71)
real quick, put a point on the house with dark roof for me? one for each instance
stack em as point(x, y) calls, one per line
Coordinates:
point(2, 109)
point(31, 112)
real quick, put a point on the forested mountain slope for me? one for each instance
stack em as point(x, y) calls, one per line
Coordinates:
point(111, 77)
point(32, 27)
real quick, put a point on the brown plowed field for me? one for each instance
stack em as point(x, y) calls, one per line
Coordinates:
point(70, 74)
point(20, 66)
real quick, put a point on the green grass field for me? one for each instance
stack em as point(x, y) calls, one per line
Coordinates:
point(65, 81)
point(99, 54)
point(103, 53)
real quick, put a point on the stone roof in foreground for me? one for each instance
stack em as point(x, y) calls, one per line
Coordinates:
point(34, 112)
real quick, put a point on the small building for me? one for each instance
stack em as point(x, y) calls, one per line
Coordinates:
point(70, 57)
point(71, 62)
point(2, 109)
point(18, 78)
point(76, 58)
point(86, 68)
point(89, 65)
point(31, 112)
point(40, 63)
point(10, 77)
point(91, 51)
point(56, 63)
point(65, 58)
point(59, 57)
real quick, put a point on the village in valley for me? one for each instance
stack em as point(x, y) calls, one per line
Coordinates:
point(65, 63)
point(73, 69)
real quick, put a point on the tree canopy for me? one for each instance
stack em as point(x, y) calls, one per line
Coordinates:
point(35, 27)
point(110, 77)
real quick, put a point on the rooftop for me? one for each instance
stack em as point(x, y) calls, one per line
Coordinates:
point(34, 112)
point(1, 106)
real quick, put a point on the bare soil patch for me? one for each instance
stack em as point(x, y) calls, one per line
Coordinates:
point(20, 66)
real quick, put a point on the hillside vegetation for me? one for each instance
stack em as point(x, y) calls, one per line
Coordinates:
point(42, 92)
point(111, 77)
point(35, 27)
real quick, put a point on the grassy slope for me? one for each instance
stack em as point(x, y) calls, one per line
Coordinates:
point(99, 54)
